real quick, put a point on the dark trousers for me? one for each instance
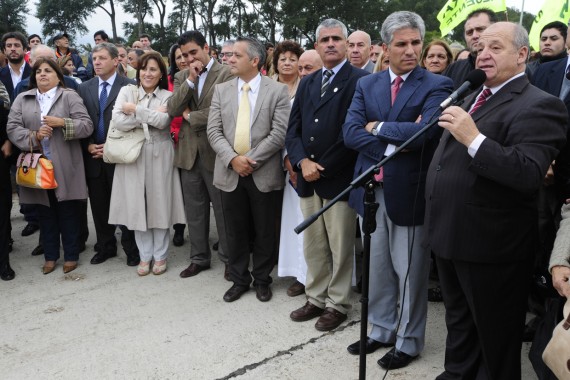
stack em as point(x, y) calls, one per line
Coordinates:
point(248, 210)
point(5, 226)
point(60, 219)
point(100, 198)
point(485, 316)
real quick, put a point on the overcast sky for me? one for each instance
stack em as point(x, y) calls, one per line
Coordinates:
point(100, 19)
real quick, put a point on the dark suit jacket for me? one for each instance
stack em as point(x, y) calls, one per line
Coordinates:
point(6, 78)
point(421, 94)
point(484, 209)
point(549, 77)
point(192, 138)
point(89, 92)
point(315, 131)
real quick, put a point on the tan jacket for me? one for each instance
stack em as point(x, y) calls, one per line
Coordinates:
point(192, 139)
point(66, 155)
point(269, 125)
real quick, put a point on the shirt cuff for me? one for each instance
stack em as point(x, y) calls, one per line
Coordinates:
point(68, 129)
point(190, 83)
point(475, 144)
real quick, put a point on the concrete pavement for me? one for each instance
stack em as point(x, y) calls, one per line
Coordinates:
point(105, 322)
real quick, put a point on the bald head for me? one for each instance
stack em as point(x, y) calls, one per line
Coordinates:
point(359, 48)
point(309, 62)
point(41, 51)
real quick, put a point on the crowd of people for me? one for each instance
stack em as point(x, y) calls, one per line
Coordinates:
point(266, 135)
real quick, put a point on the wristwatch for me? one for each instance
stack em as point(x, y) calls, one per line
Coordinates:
point(375, 130)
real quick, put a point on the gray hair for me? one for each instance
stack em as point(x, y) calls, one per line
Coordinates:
point(228, 43)
point(520, 37)
point(254, 49)
point(331, 23)
point(34, 51)
point(112, 49)
point(401, 20)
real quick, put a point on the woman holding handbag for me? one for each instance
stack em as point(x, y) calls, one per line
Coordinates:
point(147, 195)
point(51, 118)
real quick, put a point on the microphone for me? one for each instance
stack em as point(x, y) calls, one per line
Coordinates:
point(474, 79)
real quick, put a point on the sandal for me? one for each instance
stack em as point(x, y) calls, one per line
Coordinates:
point(159, 267)
point(143, 268)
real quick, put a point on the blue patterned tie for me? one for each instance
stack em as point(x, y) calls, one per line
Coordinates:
point(100, 135)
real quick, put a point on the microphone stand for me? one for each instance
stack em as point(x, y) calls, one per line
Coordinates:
point(365, 180)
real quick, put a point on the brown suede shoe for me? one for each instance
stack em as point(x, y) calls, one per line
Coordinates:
point(48, 267)
point(305, 313)
point(330, 320)
point(296, 289)
point(68, 266)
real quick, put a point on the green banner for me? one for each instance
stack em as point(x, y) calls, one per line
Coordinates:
point(552, 10)
point(454, 12)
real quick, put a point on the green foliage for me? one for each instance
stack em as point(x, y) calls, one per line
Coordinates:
point(64, 16)
point(160, 42)
point(13, 16)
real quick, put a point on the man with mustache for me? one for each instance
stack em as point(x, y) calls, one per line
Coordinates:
point(316, 149)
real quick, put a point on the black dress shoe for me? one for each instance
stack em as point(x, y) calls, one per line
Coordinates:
point(30, 229)
point(133, 260)
point(435, 295)
point(178, 239)
point(216, 245)
point(395, 359)
point(39, 250)
point(371, 346)
point(192, 270)
point(235, 292)
point(263, 293)
point(7, 274)
point(101, 257)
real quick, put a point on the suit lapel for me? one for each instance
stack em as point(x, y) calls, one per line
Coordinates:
point(233, 100)
point(315, 88)
point(260, 98)
point(407, 89)
point(94, 92)
point(382, 93)
point(336, 86)
point(210, 79)
point(114, 90)
point(556, 77)
point(504, 95)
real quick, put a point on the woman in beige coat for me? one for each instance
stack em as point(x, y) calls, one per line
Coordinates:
point(146, 195)
point(54, 118)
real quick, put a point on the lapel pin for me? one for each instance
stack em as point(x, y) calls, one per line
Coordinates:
point(335, 89)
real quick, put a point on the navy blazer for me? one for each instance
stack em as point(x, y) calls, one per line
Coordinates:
point(89, 92)
point(420, 95)
point(549, 77)
point(6, 78)
point(315, 131)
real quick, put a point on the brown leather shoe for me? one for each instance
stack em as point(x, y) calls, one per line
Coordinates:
point(309, 311)
point(296, 289)
point(68, 266)
point(227, 273)
point(193, 270)
point(49, 266)
point(330, 320)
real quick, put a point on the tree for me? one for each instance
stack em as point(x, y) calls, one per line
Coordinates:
point(184, 11)
point(112, 14)
point(13, 16)
point(206, 10)
point(139, 8)
point(66, 16)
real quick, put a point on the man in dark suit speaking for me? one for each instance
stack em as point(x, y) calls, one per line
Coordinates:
point(481, 209)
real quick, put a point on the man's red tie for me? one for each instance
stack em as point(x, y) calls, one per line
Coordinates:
point(395, 88)
point(481, 99)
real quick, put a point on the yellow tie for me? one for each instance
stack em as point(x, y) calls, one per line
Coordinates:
point(241, 141)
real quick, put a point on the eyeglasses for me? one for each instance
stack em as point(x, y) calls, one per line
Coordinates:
point(229, 55)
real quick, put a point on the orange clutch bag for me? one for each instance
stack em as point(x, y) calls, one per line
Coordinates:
point(34, 170)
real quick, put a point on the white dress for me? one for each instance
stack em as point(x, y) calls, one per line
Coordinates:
point(291, 257)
